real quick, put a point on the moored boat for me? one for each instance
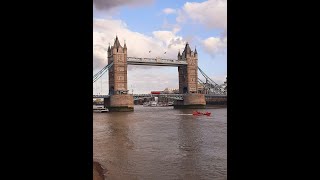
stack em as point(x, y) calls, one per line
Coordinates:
point(170, 103)
point(100, 109)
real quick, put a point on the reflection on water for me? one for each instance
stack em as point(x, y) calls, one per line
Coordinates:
point(161, 143)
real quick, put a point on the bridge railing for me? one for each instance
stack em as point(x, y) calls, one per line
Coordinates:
point(155, 60)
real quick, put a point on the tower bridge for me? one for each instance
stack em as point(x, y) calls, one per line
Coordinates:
point(189, 97)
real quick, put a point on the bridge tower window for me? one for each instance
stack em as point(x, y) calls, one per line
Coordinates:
point(111, 90)
point(120, 68)
point(185, 90)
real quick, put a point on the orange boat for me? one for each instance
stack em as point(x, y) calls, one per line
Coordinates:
point(197, 113)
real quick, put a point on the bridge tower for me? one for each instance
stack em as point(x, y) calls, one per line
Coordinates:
point(188, 80)
point(119, 99)
point(188, 75)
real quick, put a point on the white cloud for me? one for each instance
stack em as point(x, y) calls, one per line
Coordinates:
point(176, 29)
point(104, 32)
point(169, 11)
point(211, 13)
point(215, 45)
point(170, 41)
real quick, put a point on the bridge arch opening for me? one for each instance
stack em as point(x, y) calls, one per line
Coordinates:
point(185, 90)
point(145, 79)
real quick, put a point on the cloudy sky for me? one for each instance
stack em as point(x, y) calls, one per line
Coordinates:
point(160, 26)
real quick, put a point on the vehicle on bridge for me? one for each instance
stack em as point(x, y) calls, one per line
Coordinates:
point(156, 92)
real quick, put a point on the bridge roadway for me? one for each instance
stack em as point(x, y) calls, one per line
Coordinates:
point(155, 61)
point(173, 96)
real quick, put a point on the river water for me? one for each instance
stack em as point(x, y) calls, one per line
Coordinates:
point(161, 143)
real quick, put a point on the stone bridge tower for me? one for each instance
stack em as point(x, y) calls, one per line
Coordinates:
point(118, 72)
point(188, 75)
point(119, 99)
point(188, 80)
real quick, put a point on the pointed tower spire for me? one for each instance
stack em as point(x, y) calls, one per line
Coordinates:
point(187, 49)
point(195, 50)
point(116, 42)
point(109, 47)
point(125, 46)
point(179, 53)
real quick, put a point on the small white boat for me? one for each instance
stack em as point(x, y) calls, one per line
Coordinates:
point(153, 103)
point(100, 109)
point(170, 103)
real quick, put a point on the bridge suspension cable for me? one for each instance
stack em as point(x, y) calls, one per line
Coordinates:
point(200, 81)
point(207, 78)
point(101, 72)
point(210, 85)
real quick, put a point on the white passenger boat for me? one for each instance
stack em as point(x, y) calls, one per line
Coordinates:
point(100, 109)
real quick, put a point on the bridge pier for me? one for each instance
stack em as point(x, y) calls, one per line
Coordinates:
point(119, 103)
point(191, 101)
point(217, 101)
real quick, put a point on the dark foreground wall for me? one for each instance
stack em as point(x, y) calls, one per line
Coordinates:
point(98, 171)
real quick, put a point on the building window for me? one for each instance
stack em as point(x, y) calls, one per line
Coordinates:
point(120, 68)
point(120, 59)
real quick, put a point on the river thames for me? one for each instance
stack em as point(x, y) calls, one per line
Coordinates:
point(161, 143)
